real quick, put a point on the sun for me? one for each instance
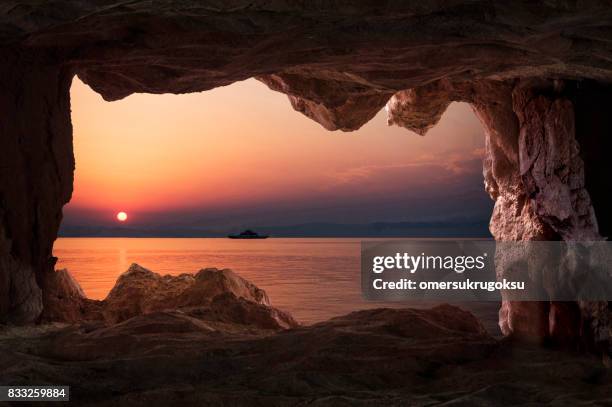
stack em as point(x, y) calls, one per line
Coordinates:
point(122, 216)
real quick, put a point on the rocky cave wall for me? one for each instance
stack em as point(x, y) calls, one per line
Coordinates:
point(536, 75)
point(36, 177)
point(534, 170)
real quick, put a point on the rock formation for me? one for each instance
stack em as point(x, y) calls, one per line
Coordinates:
point(536, 74)
point(212, 295)
point(534, 171)
point(36, 177)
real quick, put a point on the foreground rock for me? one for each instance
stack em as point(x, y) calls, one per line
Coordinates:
point(441, 356)
point(213, 339)
point(211, 294)
point(139, 291)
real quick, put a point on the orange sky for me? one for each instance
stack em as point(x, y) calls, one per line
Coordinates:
point(242, 147)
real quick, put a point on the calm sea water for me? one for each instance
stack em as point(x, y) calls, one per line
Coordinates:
point(313, 279)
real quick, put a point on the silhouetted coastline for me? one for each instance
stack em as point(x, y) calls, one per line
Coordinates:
point(448, 229)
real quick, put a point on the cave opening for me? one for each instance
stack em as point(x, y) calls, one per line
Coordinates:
point(205, 164)
point(537, 75)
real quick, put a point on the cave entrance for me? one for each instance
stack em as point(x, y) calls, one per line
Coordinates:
point(208, 164)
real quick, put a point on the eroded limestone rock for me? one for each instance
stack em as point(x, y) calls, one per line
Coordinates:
point(535, 173)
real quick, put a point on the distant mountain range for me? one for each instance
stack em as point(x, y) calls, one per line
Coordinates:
point(376, 229)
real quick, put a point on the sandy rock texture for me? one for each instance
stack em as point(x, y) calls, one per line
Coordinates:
point(439, 356)
point(536, 73)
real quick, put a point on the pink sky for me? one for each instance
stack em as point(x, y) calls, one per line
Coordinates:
point(241, 151)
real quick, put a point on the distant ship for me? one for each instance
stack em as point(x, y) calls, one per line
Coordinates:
point(248, 234)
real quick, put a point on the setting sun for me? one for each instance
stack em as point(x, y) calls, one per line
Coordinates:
point(122, 216)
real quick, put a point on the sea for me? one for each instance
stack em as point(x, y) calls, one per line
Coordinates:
point(314, 279)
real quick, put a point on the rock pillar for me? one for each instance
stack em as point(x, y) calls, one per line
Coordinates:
point(36, 177)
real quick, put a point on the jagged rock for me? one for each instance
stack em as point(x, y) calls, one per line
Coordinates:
point(550, 165)
point(328, 102)
point(211, 282)
point(65, 300)
point(139, 291)
point(211, 295)
point(421, 108)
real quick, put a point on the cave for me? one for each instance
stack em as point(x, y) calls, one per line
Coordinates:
point(537, 78)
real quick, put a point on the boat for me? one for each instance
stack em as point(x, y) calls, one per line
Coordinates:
point(248, 234)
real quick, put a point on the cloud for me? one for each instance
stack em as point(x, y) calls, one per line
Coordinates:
point(427, 170)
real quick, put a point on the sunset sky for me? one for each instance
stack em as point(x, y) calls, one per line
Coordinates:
point(240, 155)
